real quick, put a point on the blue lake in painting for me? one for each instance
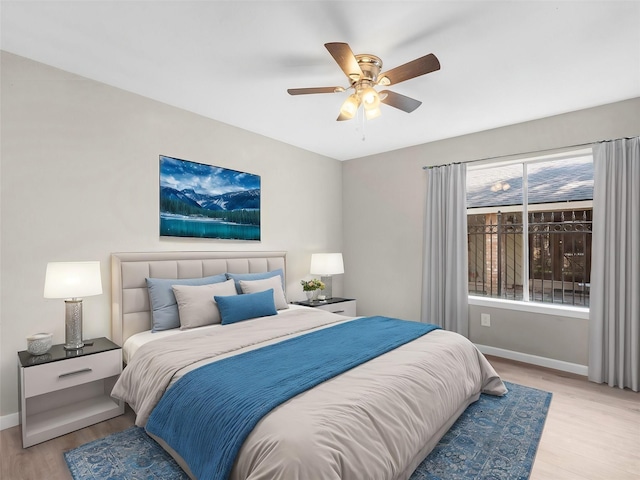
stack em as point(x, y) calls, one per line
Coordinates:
point(181, 226)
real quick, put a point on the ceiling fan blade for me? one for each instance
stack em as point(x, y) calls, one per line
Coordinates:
point(401, 102)
point(344, 57)
point(415, 68)
point(307, 91)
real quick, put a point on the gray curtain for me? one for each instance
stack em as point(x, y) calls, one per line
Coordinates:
point(445, 285)
point(614, 319)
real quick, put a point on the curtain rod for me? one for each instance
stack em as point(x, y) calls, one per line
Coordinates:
point(427, 167)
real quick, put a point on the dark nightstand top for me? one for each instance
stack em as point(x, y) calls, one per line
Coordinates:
point(58, 352)
point(319, 303)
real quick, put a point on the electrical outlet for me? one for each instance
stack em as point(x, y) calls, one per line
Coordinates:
point(485, 319)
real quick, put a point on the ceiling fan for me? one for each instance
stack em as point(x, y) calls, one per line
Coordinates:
point(364, 74)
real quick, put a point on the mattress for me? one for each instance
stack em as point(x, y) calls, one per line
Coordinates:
point(378, 420)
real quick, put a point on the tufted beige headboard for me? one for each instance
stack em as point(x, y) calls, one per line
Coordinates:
point(130, 311)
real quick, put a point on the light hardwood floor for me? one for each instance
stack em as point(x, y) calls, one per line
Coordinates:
point(592, 432)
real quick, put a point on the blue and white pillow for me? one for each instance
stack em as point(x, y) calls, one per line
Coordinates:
point(255, 276)
point(164, 309)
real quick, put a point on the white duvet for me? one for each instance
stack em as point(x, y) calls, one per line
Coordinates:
point(376, 421)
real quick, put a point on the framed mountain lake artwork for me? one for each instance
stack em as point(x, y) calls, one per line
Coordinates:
point(198, 200)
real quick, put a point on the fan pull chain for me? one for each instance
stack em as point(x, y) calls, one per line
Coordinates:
point(362, 123)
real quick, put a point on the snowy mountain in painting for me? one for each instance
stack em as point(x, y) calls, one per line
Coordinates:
point(240, 200)
point(243, 200)
point(169, 193)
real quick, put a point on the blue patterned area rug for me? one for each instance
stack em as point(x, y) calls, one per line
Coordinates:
point(496, 438)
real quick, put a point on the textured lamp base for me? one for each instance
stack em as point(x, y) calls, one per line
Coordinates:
point(73, 324)
point(327, 292)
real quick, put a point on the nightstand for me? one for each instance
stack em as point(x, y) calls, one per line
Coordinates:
point(65, 390)
point(341, 306)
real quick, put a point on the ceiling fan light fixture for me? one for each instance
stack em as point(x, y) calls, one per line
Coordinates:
point(364, 73)
point(350, 106)
point(372, 113)
point(370, 98)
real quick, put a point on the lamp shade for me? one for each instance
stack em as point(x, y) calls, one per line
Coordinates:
point(350, 106)
point(72, 280)
point(326, 264)
point(370, 98)
point(372, 113)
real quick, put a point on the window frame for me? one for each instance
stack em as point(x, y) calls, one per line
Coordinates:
point(527, 304)
point(555, 309)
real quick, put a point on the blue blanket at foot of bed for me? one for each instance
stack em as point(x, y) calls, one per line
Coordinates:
point(230, 396)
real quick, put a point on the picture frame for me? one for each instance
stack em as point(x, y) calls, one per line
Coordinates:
point(205, 201)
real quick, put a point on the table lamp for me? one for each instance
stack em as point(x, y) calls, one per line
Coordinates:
point(72, 281)
point(326, 265)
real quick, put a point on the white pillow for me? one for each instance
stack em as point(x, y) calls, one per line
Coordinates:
point(196, 305)
point(255, 286)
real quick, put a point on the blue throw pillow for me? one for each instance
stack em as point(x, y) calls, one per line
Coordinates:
point(254, 276)
point(164, 309)
point(235, 308)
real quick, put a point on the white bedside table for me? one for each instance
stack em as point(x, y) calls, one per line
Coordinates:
point(341, 306)
point(65, 390)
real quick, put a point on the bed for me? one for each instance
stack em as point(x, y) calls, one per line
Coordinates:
point(376, 420)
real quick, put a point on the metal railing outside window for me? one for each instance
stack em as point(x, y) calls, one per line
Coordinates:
point(559, 256)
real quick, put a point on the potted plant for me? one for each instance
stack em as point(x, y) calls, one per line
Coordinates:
point(312, 288)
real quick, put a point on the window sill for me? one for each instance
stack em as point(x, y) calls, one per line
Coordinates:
point(533, 307)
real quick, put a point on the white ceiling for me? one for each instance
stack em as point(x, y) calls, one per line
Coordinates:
point(503, 62)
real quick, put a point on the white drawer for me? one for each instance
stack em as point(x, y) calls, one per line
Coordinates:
point(71, 372)
point(342, 308)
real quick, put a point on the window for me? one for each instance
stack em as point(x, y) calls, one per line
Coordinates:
point(550, 200)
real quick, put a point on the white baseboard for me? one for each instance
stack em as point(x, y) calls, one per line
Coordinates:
point(535, 360)
point(8, 421)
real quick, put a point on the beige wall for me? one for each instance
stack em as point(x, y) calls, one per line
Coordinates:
point(383, 224)
point(79, 180)
point(554, 337)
